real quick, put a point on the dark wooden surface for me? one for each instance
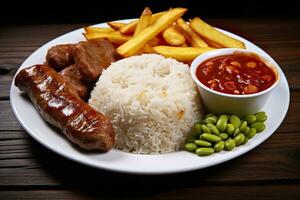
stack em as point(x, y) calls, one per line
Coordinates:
point(271, 171)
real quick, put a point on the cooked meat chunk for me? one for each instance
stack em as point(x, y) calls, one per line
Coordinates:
point(76, 83)
point(92, 56)
point(79, 122)
point(60, 56)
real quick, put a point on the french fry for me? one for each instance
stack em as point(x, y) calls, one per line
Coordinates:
point(192, 37)
point(144, 21)
point(114, 37)
point(173, 36)
point(115, 25)
point(148, 49)
point(156, 16)
point(212, 44)
point(154, 42)
point(181, 53)
point(137, 42)
point(129, 28)
point(184, 45)
point(91, 29)
point(212, 34)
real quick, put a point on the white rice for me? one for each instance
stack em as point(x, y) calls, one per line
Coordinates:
point(152, 102)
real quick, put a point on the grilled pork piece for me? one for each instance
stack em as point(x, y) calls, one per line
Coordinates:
point(76, 82)
point(77, 120)
point(60, 56)
point(92, 56)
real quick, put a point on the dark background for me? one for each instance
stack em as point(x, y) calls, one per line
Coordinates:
point(91, 11)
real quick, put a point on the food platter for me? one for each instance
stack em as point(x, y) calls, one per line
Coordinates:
point(116, 160)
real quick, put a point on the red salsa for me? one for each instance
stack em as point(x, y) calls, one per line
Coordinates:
point(236, 74)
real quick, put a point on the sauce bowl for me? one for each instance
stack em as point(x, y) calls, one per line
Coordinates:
point(241, 104)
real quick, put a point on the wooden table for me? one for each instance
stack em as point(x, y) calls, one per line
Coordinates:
point(270, 171)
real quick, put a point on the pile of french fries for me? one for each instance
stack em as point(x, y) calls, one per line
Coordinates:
point(164, 33)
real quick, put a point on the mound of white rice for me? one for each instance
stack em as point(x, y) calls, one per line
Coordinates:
point(152, 102)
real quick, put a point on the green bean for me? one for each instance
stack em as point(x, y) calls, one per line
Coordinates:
point(202, 143)
point(193, 134)
point(210, 137)
point(227, 116)
point(190, 146)
point(190, 140)
point(235, 120)
point(246, 130)
point(213, 129)
point(204, 151)
point(250, 119)
point(205, 129)
point(236, 132)
point(198, 128)
point(211, 115)
point(259, 126)
point(243, 125)
point(230, 129)
point(239, 139)
point(223, 136)
point(251, 133)
point(211, 120)
point(261, 116)
point(245, 140)
point(219, 146)
point(222, 123)
point(224, 132)
point(229, 144)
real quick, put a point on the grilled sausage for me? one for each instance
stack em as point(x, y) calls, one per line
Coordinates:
point(77, 120)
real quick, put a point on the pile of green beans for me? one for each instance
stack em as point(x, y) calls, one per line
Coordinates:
point(224, 132)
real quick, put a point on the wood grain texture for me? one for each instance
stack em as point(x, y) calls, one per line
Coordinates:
point(163, 192)
point(271, 171)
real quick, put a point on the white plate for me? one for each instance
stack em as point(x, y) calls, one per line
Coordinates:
point(116, 160)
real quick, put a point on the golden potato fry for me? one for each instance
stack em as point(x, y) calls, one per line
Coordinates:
point(129, 28)
point(181, 53)
point(213, 44)
point(173, 36)
point(115, 25)
point(114, 37)
point(206, 31)
point(91, 29)
point(192, 37)
point(184, 45)
point(154, 42)
point(155, 16)
point(148, 49)
point(137, 42)
point(144, 21)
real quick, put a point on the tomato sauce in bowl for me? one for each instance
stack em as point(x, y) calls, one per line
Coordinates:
point(234, 81)
point(237, 74)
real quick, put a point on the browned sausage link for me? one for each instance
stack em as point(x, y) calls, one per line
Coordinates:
point(78, 121)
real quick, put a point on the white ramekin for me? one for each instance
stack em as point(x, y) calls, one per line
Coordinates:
point(218, 102)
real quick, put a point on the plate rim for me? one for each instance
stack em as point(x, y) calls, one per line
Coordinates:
point(89, 162)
